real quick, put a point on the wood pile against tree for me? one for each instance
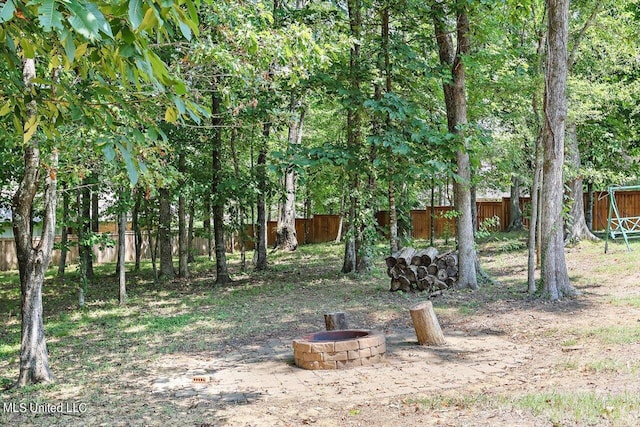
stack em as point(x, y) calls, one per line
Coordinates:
point(423, 269)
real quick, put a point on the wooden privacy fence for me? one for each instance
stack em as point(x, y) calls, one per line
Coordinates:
point(325, 228)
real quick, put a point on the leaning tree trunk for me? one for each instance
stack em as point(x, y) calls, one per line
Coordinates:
point(456, 103)
point(555, 276)
point(164, 235)
point(577, 229)
point(33, 259)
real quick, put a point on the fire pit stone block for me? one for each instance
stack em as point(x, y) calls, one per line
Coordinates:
point(339, 349)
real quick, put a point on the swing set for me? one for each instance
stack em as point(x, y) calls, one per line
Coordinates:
point(617, 225)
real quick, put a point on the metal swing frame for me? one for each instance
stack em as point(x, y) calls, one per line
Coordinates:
point(628, 227)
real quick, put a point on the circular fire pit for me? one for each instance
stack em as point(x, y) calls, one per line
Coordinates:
point(339, 349)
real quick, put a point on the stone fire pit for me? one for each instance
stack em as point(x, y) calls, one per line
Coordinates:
point(339, 349)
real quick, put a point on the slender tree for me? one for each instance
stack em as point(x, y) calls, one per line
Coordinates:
point(554, 268)
point(219, 199)
point(33, 259)
point(456, 103)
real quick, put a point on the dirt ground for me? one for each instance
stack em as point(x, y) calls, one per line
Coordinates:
point(510, 345)
point(502, 346)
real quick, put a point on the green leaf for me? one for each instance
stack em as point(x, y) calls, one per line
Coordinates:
point(84, 21)
point(109, 152)
point(103, 24)
point(171, 115)
point(186, 30)
point(6, 109)
point(6, 12)
point(135, 13)
point(27, 49)
point(149, 21)
point(49, 16)
point(132, 171)
point(69, 45)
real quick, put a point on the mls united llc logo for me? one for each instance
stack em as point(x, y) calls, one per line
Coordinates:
point(44, 408)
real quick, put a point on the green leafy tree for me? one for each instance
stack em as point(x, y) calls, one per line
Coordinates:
point(86, 62)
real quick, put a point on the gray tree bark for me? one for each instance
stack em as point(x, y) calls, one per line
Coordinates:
point(515, 220)
point(555, 276)
point(261, 170)
point(577, 229)
point(456, 103)
point(33, 259)
point(286, 237)
point(122, 247)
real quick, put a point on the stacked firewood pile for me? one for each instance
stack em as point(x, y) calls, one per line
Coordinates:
point(422, 269)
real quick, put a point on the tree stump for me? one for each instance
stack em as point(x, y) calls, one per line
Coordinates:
point(426, 324)
point(337, 320)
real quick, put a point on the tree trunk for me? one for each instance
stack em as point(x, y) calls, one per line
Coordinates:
point(533, 221)
point(33, 260)
point(137, 231)
point(456, 103)
point(95, 206)
point(190, 236)
point(589, 212)
point(64, 235)
point(183, 242)
point(286, 237)
point(122, 247)
point(207, 227)
point(261, 169)
point(164, 235)
point(426, 324)
point(394, 244)
point(336, 321)
point(356, 243)
point(153, 246)
point(554, 269)
point(241, 224)
point(515, 219)
point(86, 251)
point(577, 229)
point(219, 198)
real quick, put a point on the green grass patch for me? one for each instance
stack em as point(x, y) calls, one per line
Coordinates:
point(588, 408)
point(629, 301)
point(616, 334)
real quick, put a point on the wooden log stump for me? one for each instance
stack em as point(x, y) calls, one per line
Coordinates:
point(426, 324)
point(335, 321)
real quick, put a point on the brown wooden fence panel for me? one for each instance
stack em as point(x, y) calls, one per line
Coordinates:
point(324, 228)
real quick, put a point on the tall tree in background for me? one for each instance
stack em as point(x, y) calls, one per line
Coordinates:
point(219, 199)
point(456, 103)
point(554, 268)
point(286, 236)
